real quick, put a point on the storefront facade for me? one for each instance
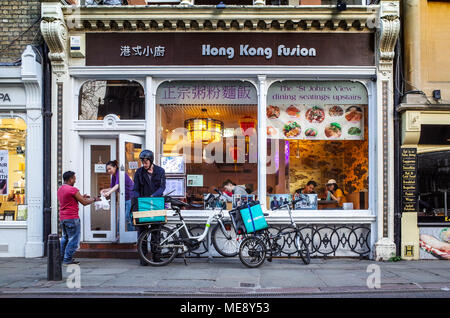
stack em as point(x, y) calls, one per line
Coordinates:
point(424, 113)
point(269, 103)
point(21, 157)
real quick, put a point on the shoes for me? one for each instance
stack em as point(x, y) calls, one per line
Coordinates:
point(72, 262)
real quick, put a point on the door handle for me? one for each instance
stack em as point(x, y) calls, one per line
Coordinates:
point(122, 167)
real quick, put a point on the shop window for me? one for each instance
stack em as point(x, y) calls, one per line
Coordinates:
point(318, 132)
point(433, 183)
point(208, 135)
point(126, 99)
point(12, 169)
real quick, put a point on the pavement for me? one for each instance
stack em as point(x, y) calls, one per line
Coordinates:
point(227, 277)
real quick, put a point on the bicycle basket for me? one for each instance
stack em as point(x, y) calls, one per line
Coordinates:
point(237, 221)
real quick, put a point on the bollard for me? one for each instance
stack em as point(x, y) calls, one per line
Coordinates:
point(54, 271)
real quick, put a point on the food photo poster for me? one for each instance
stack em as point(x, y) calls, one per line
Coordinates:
point(316, 110)
point(434, 243)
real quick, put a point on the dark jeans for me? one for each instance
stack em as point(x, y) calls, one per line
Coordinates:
point(154, 239)
point(70, 238)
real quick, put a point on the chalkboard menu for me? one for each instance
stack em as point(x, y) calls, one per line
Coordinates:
point(409, 179)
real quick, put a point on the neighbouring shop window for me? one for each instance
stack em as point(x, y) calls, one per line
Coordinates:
point(12, 169)
point(433, 185)
point(208, 135)
point(317, 133)
point(126, 99)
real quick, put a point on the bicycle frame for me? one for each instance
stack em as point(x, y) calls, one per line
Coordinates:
point(200, 237)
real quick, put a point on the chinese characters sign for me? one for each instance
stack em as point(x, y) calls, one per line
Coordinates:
point(138, 50)
point(316, 110)
point(199, 92)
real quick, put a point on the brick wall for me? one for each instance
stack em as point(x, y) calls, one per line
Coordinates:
point(19, 26)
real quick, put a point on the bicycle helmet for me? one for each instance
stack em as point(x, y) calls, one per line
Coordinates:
point(147, 154)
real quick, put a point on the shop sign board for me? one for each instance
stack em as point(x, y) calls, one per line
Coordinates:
point(230, 48)
point(408, 179)
point(325, 110)
point(207, 92)
point(12, 96)
point(100, 168)
point(3, 172)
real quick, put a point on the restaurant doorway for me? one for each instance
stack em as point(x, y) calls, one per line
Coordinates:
point(113, 224)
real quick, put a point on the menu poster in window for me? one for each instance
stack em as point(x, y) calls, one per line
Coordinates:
point(173, 164)
point(409, 179)
point(4, 172)
point(307, 201)
point(316, 110)
point(175, 187)
point(277, 200)
point(195, 180)
point(434, 243)
point(242, 199)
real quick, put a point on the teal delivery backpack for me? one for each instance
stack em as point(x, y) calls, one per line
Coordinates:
point(148, 210)
point(253, 217)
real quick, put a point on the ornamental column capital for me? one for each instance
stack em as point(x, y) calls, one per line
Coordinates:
point(55, 34)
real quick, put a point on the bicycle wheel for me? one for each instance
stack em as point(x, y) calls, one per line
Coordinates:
point(224, 246)
point(252, 252)
point(197, 230)
point(302, 248)
point(273, 241)
point(152, 251)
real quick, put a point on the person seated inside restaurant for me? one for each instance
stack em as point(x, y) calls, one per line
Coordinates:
point(335, 193)
point(231, 187)
point(308, 189)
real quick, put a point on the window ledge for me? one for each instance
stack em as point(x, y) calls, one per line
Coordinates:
point(282, 217)
point(13, 225)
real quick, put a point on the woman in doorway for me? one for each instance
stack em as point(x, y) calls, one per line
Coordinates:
point(112, 169)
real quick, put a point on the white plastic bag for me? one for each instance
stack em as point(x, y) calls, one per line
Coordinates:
point(103, 204)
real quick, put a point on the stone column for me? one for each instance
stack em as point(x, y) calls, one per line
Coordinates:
point(32, 78)
point(387, 35)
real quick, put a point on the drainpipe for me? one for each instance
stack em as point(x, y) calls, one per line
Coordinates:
point(398, 91)
point(47, 119)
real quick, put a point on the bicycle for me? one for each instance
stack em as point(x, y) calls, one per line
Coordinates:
point(159, 245)
point(253, 249)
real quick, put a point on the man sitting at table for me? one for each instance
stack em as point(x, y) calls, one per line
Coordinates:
point(309, 189)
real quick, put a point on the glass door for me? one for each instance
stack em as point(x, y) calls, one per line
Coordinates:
point(129, 150)
point(99, 225)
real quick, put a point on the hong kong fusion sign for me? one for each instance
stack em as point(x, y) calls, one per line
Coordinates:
point(347, 49)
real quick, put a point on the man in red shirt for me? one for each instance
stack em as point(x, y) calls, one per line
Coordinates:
point(69, 197)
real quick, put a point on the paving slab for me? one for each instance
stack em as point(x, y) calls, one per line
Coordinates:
point(290, 278)
point(224, 275)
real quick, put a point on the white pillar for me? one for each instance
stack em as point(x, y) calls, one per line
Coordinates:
point(32, 78)
point(151, 132)
point(262, 139)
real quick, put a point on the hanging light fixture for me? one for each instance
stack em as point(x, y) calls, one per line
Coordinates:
point(206, 130)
